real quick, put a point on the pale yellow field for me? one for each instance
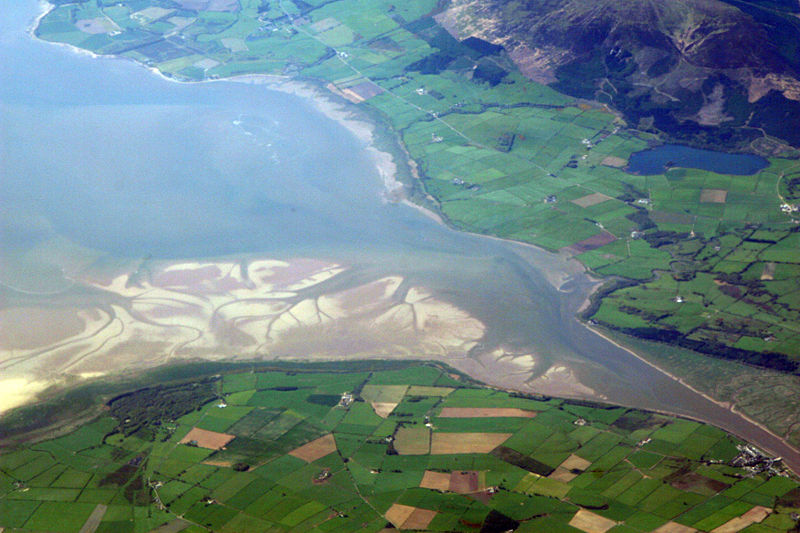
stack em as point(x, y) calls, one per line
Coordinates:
point(485, 412)
point(755, 515)
point(450, 443)
point(591, 523)
point(207, 439)
point(407, 517)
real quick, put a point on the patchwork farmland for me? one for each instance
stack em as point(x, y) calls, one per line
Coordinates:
point(304, 450)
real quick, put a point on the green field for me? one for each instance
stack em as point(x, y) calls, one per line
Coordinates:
point(636, 469)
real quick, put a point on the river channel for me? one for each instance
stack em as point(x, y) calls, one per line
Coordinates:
point(111, 161)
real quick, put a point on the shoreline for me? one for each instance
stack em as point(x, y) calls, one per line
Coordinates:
point(45, 7)
point(725, 405)
point(364, 131)
point(337, 111)
point(325, 103)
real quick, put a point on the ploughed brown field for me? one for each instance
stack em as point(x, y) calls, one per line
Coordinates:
point(407, 517)
point(693, 481)
point(592, 243)
point(316, 449)
point(207, 439)
point(460, 482)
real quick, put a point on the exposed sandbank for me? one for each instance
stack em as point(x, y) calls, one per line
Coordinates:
point(193, 309)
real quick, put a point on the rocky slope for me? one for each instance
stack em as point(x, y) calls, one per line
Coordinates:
point(704, 71)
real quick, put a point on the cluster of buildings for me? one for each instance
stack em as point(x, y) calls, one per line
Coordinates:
point(462, 183)
point(754, 461)
point(347, 399)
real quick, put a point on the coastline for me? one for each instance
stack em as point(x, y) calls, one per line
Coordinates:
point(323, 102)
point(364, 130)
point(725, 405)
point(339, 112)
point(45, 7)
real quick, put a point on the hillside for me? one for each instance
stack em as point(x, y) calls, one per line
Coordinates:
point(706, 71)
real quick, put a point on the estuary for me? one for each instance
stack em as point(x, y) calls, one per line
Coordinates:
point(110, 176)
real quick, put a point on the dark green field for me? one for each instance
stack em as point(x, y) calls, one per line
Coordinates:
point(563, 466)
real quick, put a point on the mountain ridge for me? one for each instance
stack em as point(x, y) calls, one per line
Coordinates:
point(701, 71)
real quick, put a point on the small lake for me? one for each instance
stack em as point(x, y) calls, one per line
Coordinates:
point(657, 160)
